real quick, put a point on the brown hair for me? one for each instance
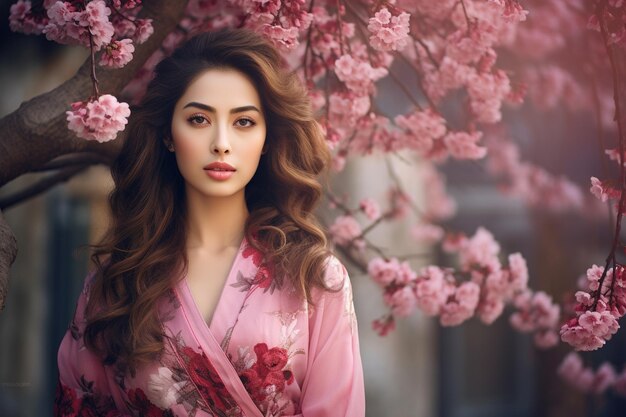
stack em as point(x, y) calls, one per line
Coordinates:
point(144, 248)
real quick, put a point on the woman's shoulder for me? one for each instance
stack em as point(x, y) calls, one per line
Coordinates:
point(335, 273)
point(334, 305)
point(336, 281)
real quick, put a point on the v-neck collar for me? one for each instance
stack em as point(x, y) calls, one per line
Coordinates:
point(216, 320)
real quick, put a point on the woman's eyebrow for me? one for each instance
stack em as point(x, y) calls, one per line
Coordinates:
point(212, 109)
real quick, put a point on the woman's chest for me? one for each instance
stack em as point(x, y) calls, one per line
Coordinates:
point(262, 353)
point(206, 278)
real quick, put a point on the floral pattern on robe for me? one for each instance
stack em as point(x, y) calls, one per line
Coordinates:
point(265, 353)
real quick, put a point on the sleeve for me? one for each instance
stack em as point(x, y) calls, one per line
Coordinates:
point(83, 387)
point(333, 385)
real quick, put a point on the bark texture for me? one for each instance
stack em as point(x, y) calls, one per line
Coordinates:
point(37, 132)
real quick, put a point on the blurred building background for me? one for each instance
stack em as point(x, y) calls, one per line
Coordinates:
point(421, 369)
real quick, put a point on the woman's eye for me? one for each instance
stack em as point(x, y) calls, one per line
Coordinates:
point(197, 119)
point(246, 122)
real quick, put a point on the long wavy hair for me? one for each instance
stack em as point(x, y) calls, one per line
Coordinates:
point(143, 251)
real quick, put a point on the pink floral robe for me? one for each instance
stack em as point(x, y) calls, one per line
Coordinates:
point(265, 353)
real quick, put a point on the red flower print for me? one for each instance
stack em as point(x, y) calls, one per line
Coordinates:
point(88, 407)
point(260, 349)
point(266, 372)
point(257, 256)
point(143, 405)
point(65, 401)
point(275, 378)
point(288, 375)
point(68, 404)
point(275, 359)
point(263, 277)
point(207, 380)
point(251, 379)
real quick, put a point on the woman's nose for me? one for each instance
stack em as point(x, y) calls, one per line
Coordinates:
point(221, 142)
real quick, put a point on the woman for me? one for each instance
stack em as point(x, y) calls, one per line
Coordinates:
point(214, 292)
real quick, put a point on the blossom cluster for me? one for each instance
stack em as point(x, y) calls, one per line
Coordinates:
point(91, 24)
point(536, 313)
point(614, 15)
point(389, 32)
point(437, 291)
point(599, 306)
point(100, 119)
point(584, 379)
point(281, 21)
point(533, 184)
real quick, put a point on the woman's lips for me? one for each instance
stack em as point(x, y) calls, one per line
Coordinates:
point(219, 175)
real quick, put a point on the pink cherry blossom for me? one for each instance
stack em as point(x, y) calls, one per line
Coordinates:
point(345, 108)
point(96, 18)
point(370, 207)
point(613, 155)
point(571, 366)
point(344, 230)
point(427, 233)
point(487, 91)
point(533, 184)
point(423, 128)
point(462, 307)
point(359, 76)
point(546, 339)
point(579, 338)
point(401, 301)
point(489, 309)
point(383, 272)
point(439, 205)
point(481, 249)
point(584, 379)
point(389, 32)
point(519, 271)
point(283, 38)
point(601, 324)
point(619, 385)
point(450, 76)
point(512, 10)
point(431, 290)
point(536, 313)
point(68, 25)
point(604, 378)
point(599, 306)
point(603, 191)
point(384, 325)
point(462, 145)
point(143, 30)
point(22, 19)
point(454, 242)
point(117, 53)
point(99, 120)
point(466, 47)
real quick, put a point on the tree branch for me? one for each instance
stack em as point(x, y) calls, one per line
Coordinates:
point(8, 251)
point(37, 131)
point(86, 158)
point(41, 186)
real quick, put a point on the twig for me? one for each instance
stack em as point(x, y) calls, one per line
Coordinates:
point(620, 132)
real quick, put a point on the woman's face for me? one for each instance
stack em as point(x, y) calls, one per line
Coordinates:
point(218, 119)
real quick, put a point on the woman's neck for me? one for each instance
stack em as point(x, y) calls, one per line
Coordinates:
point(215, 223)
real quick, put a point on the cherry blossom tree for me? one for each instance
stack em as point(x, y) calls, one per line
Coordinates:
point(480, 55)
